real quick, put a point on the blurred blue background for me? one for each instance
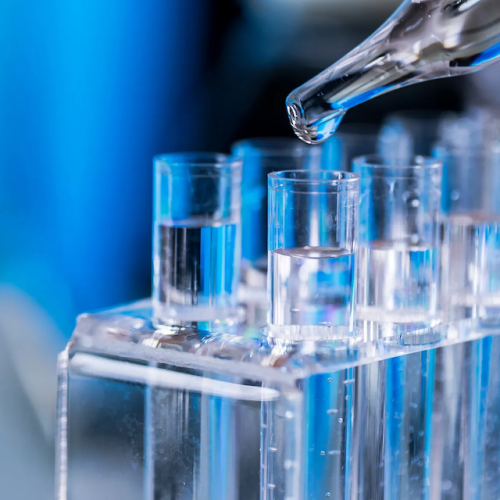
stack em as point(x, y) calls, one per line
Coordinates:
point(89, 92)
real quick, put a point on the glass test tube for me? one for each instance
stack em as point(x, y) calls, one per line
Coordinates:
point(313, 226)
point(471, 231)
point(260, 157)
point(196, 236)
point(398, 242)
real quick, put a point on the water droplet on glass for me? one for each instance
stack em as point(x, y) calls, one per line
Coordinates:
point(446, 485)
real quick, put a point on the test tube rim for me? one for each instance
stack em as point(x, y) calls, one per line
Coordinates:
point(343, 181)
point(281, 147)
point(375, 163)
point(443, 150)
point(195, 164)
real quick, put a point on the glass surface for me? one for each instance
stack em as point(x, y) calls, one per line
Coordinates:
point(260, 157)
point(313, 220)
point(471, 231)
point(144, 414)
point(398, 257)
point(197, 244)
point(423, 40)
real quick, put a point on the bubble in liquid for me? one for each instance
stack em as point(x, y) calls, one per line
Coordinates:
point(454, 195)
point(271, 486)
point(288, 464)
point(341, 420)
point(332, 411)
point(322, 453)
point(334, 452)
point(446, 485)
point(272, 448)
point(327, 494)
point(330, 380)
point(289, 415)
point(294, 310)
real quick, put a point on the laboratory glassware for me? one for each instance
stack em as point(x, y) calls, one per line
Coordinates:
point(313, 230)
point(423, 40)
point(210, 410)
point(197, 247)
point(398, 256)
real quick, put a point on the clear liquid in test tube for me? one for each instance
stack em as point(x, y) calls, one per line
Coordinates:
point(398, 261)
point(197, 236)
point(471, 232)
point(312, 248)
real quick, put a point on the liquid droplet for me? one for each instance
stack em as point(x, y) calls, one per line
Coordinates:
point(312, 134)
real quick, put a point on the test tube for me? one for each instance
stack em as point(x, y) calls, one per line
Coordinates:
point(197, 244)
point(471, 231)
point(398, 243)
point(313, 226)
